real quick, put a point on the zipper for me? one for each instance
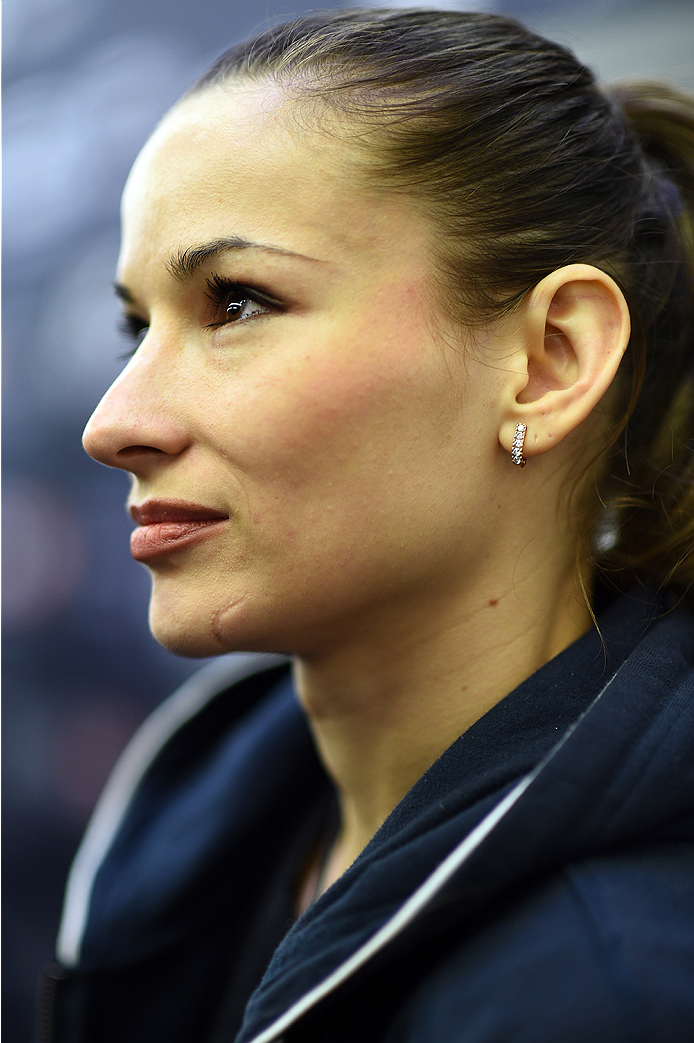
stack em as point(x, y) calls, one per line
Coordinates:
point(50, 980)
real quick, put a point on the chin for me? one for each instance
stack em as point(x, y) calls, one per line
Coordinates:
point(197, 632)
point(185, 633)
point(184, 640)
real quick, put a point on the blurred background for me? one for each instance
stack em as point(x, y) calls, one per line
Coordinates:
point(84, 83)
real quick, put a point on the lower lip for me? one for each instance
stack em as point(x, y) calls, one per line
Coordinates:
point(153, 541)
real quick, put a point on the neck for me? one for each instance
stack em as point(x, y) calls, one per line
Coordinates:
point(385, 705)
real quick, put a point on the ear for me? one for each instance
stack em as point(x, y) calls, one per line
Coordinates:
point(575, 329)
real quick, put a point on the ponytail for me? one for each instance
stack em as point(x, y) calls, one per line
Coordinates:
point(648, 486)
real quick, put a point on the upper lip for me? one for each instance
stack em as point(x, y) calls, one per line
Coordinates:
point(153, 512)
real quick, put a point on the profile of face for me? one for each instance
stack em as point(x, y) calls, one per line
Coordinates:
point(311, 448)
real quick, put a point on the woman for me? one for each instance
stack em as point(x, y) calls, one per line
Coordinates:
point(373, 264)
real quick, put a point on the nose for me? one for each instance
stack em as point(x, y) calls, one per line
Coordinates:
point(135, 424)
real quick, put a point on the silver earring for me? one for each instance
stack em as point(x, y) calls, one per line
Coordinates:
point(517, 447)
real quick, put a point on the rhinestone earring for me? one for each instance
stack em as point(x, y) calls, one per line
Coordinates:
point(517, 447)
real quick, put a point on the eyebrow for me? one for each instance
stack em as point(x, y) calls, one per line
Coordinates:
point(184, 263)
point(123, 293)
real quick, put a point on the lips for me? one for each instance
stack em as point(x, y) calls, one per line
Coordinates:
point(170, 525)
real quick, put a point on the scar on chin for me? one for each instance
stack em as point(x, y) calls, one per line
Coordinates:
point(217, 621)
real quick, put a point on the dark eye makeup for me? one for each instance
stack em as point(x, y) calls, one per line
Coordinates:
point(232, 301)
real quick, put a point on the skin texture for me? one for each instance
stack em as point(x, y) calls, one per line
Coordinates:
point(356, 441)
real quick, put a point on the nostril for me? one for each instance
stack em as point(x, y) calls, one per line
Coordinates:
point(138, 450)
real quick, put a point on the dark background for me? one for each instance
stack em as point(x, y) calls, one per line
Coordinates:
point(85, 81)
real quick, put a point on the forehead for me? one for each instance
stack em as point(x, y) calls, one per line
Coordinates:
point(242, 160)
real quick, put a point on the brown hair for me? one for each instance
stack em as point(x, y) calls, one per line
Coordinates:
point(525, 165)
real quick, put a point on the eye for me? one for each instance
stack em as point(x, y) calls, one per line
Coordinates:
point(134, 330)
point(236, 303)
point(244, 308)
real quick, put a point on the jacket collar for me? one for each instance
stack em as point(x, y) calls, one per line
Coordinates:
point(578, 760)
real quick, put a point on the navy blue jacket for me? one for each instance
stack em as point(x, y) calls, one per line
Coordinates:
point(535, 885)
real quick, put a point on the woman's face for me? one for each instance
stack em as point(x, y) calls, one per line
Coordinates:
point(311, 455)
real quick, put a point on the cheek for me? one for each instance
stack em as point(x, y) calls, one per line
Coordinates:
point(339, 402)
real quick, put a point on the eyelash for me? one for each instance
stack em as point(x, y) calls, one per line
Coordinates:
point(134, 330)
point(220, 292)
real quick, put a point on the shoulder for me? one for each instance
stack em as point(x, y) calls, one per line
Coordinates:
point(601, 951)
point(176, 770)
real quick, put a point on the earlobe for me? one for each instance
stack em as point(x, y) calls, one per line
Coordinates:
point(574, 333)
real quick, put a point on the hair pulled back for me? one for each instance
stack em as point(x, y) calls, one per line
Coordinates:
point(525, 165)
